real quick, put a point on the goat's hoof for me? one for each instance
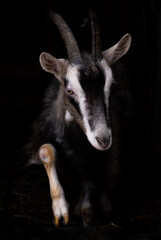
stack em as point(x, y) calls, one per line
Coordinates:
point(56, 221)
point(64, 218)
point(60, 211)
point(87, 216)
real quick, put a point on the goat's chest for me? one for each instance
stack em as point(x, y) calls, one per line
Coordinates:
point(76, 157)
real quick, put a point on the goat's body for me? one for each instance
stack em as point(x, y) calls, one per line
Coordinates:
point(78, 162)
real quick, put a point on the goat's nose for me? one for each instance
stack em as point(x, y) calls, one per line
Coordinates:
point(103, 142)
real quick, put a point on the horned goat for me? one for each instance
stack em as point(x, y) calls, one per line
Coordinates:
point(75, 134)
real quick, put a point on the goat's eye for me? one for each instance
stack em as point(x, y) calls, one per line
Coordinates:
point(69, 92)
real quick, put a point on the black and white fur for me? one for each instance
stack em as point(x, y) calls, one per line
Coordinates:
point(79, 125)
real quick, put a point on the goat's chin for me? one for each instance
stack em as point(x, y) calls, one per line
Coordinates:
point(99, 148)
point(96, 146)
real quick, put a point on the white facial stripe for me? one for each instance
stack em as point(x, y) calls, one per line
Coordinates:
point(108, 74)
point(109, 79)
point(73, 80)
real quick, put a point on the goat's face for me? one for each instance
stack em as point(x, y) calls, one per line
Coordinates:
point(88, 88)
point(87, 81)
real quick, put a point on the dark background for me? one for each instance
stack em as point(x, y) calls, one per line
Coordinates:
point(25, 32)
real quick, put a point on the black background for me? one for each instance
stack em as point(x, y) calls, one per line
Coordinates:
point(26, 31)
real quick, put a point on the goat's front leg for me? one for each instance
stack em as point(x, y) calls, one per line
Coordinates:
point(84, 206)
point(59, 205)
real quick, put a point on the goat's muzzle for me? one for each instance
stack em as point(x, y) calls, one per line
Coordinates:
point(104, 142)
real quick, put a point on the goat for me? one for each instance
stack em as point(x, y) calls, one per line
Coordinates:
point(74, 133)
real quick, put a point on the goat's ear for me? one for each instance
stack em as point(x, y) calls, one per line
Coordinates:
point(112, 54)
point(53, 65)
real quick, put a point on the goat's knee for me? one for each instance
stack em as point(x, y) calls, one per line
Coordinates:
point(47, 154)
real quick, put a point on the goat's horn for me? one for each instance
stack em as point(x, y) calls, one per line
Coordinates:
point(68, 38)
point(96, 39)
